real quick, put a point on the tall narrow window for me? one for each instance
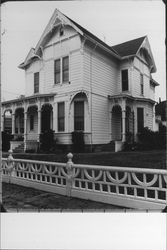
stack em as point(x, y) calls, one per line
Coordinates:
point(31, 122)
point(61, 116)
point(141, 84)
point(36, 82)
point(57, 71)
point(79, 115)
point(140, 119)
point(124, 79)
point(65, 69)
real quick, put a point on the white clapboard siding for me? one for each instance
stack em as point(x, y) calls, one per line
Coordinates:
point(69, 44)
point(100, 120)
point(68, 32)
point(149, 116)
point(47, 77)
point(139, 67)
point(100, 73)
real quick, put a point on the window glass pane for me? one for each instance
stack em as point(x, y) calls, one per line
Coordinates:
point(61, 115)
point(141, 84)
point(57, 71)
point(140, 119)
point(124, 80)
point(31, 122)
point(79, 115)
point(36, 82)
point(65, 69)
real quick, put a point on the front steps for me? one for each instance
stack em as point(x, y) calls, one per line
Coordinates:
point(19, 148)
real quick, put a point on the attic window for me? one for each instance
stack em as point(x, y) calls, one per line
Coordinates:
point(61, 31)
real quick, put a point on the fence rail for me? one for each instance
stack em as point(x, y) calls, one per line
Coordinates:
point(121, 186)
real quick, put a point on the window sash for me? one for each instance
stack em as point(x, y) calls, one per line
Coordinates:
point(65, 69)
point(79, 115)
point(125, 80)
point(36, 82)
point(57, 70)
point(141, 84)
point(61, 116)
point(140, 119)
point(31, 122)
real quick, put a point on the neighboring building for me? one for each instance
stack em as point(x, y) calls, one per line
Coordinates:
point(160, 115)
point(76, 82)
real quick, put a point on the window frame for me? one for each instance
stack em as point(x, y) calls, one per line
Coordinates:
point(65, 69)
point(58, 71)
point(141, 84)
point(140, 122)
point(59, 118)
point(36, 82)
point(62, 70)
point(82, 117)
point(125, 81)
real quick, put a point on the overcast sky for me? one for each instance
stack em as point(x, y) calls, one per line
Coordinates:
point(112, 21)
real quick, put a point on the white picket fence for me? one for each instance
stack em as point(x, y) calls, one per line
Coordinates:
point(128, 187)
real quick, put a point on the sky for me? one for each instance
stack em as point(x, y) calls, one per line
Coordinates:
point(112, 21)
point(83, 231)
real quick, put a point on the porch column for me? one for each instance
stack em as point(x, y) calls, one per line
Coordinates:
point(13, 123)
point(39, 123)
point(3, 123)
point(123, 125)
point(110, 122)
point(25, 130)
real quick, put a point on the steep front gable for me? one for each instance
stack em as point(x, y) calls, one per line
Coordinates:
point(139, 47)
point(57, 21)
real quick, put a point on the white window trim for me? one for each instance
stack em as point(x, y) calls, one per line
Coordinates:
point(61, 70)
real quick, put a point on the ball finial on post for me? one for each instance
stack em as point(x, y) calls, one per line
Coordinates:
point(69, 157)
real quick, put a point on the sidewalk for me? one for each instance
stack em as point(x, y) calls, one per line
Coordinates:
point(22, 199)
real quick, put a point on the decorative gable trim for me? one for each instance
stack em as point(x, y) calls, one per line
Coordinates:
point(146, 50)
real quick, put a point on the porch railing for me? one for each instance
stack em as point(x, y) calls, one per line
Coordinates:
point(122, 186)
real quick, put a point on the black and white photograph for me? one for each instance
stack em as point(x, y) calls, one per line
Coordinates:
point(83, 124)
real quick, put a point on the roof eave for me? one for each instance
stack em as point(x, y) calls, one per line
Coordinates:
point(102, 46)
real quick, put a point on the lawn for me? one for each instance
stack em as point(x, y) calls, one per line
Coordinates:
point(155, 159)
point(21, 198)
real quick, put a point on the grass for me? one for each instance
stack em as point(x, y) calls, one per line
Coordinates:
point(23, 198)
point(155, 159)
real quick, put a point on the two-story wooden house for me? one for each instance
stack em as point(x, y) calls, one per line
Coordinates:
point(76, 82)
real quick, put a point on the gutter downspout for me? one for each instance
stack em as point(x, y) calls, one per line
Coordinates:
point(91, 93)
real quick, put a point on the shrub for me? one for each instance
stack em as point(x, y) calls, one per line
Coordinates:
point(78, 141)
point(47, 140)
point(152, 140)
point(6, 138)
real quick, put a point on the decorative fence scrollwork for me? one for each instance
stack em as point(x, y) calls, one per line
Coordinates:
point(128, 187)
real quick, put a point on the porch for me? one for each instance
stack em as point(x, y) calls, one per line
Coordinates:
point(26, 118)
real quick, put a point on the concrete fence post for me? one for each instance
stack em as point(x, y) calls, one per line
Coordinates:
point(10, 164)
point(69, 174)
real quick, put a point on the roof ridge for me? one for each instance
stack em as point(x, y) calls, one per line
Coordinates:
point(130, 40)
point(91, 34)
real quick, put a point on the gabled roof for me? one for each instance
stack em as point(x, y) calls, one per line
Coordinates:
point(57, 15)
point(119, 51)
point(129, 48)
point(132, 47)
point(89, 34)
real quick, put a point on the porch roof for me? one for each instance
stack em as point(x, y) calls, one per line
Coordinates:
point(126, 96)
point(25, 98)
